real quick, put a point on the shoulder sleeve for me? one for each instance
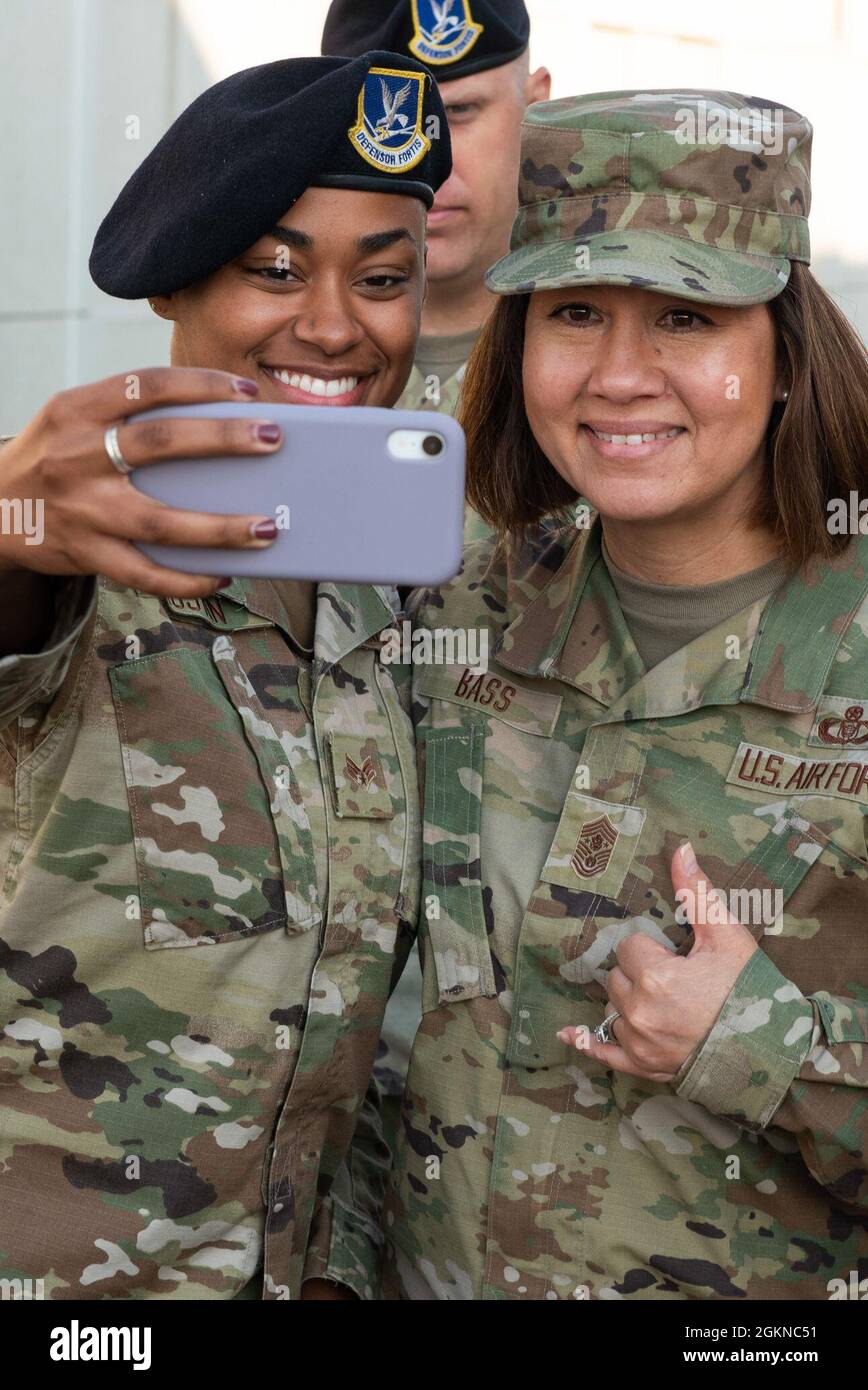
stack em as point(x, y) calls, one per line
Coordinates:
point(36, 677)
point(481, 560)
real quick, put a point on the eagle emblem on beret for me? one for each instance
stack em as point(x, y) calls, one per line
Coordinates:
point(388, 133)
point(445, 30)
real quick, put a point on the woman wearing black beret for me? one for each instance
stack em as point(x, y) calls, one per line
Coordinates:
point(229, 771)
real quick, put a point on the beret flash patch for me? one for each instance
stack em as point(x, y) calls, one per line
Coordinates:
point(445, 30)
point(389, 131)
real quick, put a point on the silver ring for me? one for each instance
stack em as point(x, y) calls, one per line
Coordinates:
point(602, 1031)
point(113, 449)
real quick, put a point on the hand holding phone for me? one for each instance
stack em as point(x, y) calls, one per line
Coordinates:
point(88, 519)
point(359, 495)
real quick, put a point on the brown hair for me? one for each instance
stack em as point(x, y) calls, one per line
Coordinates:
point(817, 441)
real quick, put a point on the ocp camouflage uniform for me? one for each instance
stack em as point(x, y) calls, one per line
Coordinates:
point(403, 1013)
point(209, 845)
point(421, 393)
point(556, 788)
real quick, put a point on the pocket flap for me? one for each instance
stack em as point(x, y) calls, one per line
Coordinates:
point(358, 780)
point(206, 843)
point(844, 1020)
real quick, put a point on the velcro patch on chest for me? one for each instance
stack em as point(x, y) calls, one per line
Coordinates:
point(358, 779)
point(215, 612)
point(785, 774)
point(492, 692)
point(841, 721)
point(594, 846)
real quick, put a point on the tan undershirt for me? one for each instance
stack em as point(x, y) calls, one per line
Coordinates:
point(442, 356)
point(663, 617)
point(298, 597)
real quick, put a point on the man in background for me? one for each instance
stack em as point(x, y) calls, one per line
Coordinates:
point(477, 50)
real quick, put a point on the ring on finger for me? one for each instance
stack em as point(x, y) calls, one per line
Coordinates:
point(603, 1031)
point(113, 449)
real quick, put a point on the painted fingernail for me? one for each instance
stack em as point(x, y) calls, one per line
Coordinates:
point(688, 858)
point(245, 387)
point(264, 531)
point(224, 583)
point(268, 434)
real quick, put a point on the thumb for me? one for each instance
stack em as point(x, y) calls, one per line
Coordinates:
point(700, 903)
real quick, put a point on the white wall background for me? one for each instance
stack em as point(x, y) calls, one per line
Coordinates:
point(75, 71)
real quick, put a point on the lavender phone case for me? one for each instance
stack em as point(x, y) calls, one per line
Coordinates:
point(356, 513)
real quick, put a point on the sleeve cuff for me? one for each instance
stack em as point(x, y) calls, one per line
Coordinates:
point(755, 1050)
point(345, 1248)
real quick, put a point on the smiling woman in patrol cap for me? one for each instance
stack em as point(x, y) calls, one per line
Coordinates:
point(233, 773)
point(676, 702)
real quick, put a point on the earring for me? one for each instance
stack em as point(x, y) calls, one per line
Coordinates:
point(785, 396)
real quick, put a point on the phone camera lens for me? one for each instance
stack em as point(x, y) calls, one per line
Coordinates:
point(432, 444)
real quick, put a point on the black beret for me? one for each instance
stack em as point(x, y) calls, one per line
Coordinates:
point(245, 150)
point(454, 37)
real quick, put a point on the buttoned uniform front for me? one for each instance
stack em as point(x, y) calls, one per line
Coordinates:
point(208, 846)
point(403, 1016)
point(557, 786)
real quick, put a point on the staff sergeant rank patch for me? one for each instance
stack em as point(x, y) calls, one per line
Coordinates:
point(389, 131)
point(764, 770)
point(445, 30)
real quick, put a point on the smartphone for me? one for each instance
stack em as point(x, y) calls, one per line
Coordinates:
point(360, 495)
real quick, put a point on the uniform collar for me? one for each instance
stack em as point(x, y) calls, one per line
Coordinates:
point(564, 623)
point(802, 628)
point(347, 615)
point(350, 616)
point(542, 612)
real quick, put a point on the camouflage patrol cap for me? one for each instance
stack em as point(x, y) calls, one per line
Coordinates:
point(704, 194)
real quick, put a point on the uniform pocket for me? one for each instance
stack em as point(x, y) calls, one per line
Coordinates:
point(453, 920)
point(818, 939)
point(205, 841)
point(358, 781)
